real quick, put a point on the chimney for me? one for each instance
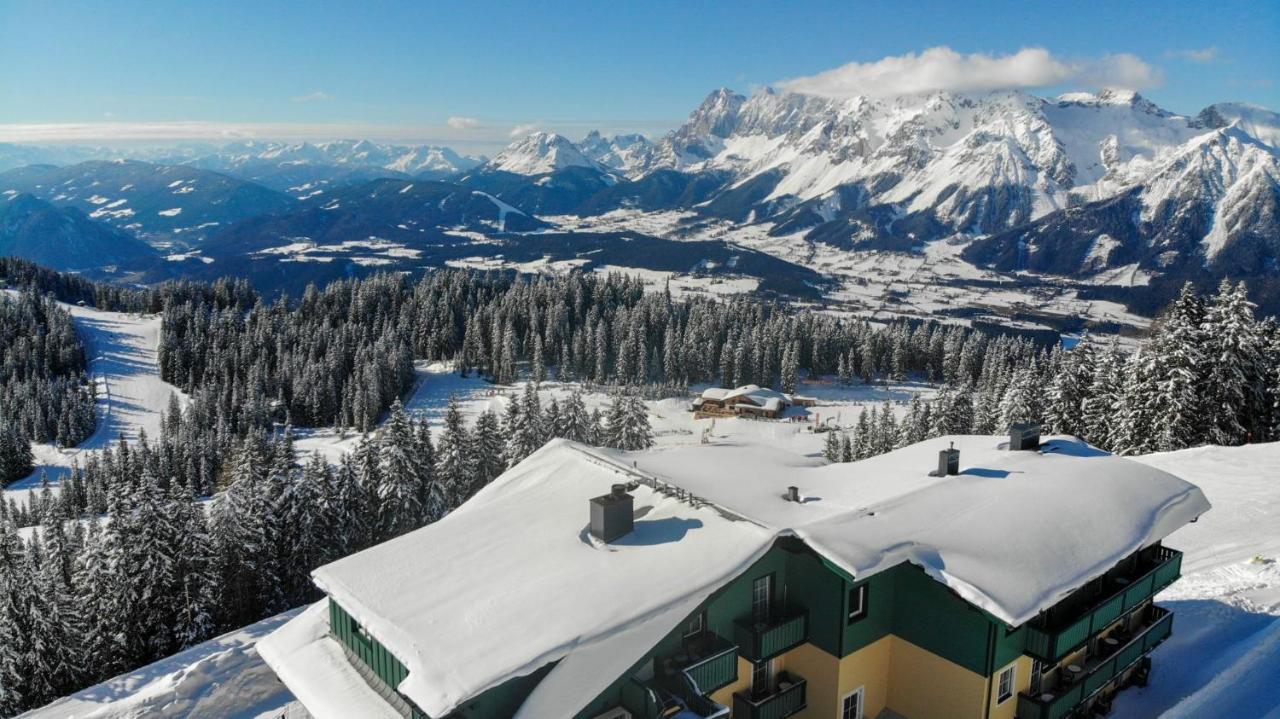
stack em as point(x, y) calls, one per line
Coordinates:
point(1024, 436)
point(793, 494)
point(611, 514)
point(948, 461)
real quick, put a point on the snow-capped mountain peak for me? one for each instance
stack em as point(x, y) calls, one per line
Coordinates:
point(539, 153)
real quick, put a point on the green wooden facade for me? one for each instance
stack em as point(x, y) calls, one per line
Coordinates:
point(811, 599)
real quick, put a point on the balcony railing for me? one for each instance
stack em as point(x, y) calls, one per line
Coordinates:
point(787, 700)
point(1053, 642)
point(1061, 702)
point(682, 681)
point(758, 641)
point(709, 662)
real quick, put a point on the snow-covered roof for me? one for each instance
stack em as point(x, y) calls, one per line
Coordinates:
point(512, 581)
point(763, 397)
point(315, 669)
point(1013, 533)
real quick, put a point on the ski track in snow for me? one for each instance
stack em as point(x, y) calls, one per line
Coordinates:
point(122, 351)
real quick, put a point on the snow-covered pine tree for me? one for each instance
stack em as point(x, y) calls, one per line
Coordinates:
point(1064, 410)
point(1020, 401)
point(575, 422)
point(487, 450)
point(627, 426)
point(1104, 397)
point(368, 469)
point(1237, 372)
point(863, 442)
point(16, 589)
point(831, 446)
point(56, 623)
point(524, 437)
point(196, 579)
point(886, 431)
point(790, 367)
point(455, 464)
point(16, 459)
point(551, 423)
point(99, 601)
point(402, 478)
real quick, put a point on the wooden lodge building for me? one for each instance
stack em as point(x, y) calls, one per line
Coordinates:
point(749, 400)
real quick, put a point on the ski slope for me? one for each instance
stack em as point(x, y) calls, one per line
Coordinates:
point(122, 350)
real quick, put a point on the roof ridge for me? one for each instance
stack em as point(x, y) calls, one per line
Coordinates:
point(659, 485)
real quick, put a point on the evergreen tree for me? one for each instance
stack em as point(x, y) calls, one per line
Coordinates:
point(401, 478)
point(487, 450)
point(524, 434)
point(831, 446)
point(1237, 371)
point(456, 465)
point(627, 426)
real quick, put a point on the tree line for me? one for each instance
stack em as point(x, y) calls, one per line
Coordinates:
point(153, 567)
point(1209, 373)
point(45, 395)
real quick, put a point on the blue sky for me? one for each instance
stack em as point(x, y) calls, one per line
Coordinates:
point(403, 70)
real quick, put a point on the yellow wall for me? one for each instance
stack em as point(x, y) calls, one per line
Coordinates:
point(923, 685)
point(741, 684)
point(1021, 682)
point(896, 674)
point(829, 679)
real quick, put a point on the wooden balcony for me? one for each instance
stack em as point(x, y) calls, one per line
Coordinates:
point(787, 699)
point(758, 641)
point(1069, 628)
point(1100, 671)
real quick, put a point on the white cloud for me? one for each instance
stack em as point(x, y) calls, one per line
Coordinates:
point(525, 129)
point(944, 69)
point(1203, 56)
point(317, 96)
point(463, 123)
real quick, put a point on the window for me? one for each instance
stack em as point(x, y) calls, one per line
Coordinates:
point(695, 626)
point(762, 678)
point(1037, 673)
point(761, 593)
point(1005, 691)
point(851, 705)
point(857, 603)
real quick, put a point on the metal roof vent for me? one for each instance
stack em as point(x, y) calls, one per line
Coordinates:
point(1024, 436)
point(793, 494)
point(612, 514)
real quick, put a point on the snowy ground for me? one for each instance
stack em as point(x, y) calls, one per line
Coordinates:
point(883, 285)
point(131, 396)
point(1223, 659)
point(673, 423)
point(223, 677)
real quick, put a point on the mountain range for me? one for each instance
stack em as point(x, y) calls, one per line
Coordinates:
point(1077, 186)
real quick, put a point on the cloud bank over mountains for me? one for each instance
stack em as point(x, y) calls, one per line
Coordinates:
point(941, 69)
